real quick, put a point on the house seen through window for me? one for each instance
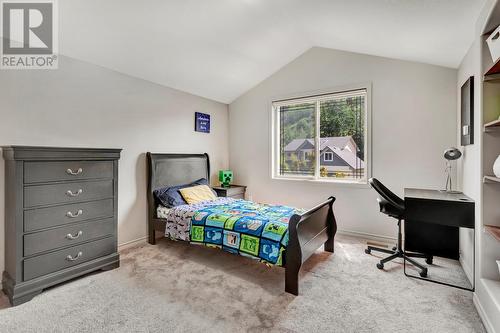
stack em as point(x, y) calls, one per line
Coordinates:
point(322, 137)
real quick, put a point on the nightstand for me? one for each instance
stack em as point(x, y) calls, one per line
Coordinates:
point(233, 191)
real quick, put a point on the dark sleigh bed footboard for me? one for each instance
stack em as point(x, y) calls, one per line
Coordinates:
point(307, 232)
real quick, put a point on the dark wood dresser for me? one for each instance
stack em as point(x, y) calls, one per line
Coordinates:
point(60, 216)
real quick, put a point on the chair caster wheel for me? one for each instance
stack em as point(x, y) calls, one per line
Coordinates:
point(368, 251)
point(423, 273)
point(428, 261)
point(394, 248)
point(380, 266)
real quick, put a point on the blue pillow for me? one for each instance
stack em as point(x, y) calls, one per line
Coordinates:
point(171, 197)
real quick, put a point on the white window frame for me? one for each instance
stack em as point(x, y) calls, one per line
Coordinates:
point(329, 154)
point(318, 96)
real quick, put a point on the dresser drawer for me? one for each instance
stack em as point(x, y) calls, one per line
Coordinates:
point(42, 218)
point(37, 172)
point(67, 235)
point(72, 256)
point(67, 193)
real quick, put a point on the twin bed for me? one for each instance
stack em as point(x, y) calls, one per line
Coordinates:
point(274, 234)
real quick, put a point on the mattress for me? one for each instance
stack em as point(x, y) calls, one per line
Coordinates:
point(240, 227)
point(162, 212)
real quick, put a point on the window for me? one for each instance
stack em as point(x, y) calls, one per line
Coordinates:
point(328, 157)
point(322, 137)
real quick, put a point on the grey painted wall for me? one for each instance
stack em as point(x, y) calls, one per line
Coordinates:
point(469, 166)
point(414, 120)
point(82, 105)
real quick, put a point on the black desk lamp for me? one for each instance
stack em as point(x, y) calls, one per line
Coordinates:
point(450, 154)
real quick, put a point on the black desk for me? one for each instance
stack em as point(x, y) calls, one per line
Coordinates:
point(433, 219)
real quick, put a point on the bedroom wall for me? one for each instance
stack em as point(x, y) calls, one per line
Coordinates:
point(469, 166)
point(82, 105)
point(414, 120)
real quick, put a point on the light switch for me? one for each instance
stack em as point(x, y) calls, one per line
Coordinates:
point(465, 130)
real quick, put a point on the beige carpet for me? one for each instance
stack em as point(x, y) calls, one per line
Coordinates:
point(177, 287)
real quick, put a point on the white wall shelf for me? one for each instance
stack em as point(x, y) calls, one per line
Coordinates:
point(491, 179)
point(494, 231)
point(492, 126)
point(491, 77)
point(488, 286)
point(493, 288)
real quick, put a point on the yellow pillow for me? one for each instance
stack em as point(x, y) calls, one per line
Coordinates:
point(197, 194)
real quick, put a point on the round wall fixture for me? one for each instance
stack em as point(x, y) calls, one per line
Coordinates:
point(452, 154)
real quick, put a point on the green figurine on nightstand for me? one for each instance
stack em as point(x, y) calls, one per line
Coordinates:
point(225, 177)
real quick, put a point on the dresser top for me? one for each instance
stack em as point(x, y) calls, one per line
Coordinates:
point(58, 153)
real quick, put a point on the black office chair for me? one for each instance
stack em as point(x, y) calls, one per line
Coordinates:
point(394, 206)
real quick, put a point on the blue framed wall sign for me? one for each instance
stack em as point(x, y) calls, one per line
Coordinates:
point(201, 122)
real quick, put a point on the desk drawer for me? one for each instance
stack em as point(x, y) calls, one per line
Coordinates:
point(67, 235)
point(55, 261)
point(450, 213)
point(42, 218)
point(67, 193)
point(37, 172)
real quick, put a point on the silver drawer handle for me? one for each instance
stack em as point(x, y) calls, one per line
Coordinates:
point(74, 194)
point(70, 258)
point(71, 215)
point(71, 237)
point(74, 173)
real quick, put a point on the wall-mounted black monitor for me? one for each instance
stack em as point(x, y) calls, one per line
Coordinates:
point(467, 112)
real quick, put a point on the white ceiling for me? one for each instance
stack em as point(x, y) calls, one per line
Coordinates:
point(220, 49)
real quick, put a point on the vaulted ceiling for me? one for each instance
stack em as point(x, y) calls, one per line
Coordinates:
point(219, 49)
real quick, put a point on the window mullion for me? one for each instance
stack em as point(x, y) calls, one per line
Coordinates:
point(278, 139)
point(318, 141)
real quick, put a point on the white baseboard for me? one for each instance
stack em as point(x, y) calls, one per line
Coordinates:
point(482, 314)
point(467, 270)
point(132, 243)
point(357, 234)
point(367, 236)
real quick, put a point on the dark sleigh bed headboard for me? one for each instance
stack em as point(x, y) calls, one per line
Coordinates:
point(170, 170)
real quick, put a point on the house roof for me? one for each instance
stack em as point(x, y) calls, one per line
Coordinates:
point(334, 141)
point(335, 144)
point(296, 143)
point(349, 157)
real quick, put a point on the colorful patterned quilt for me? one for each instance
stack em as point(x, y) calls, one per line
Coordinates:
point(242, 227)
